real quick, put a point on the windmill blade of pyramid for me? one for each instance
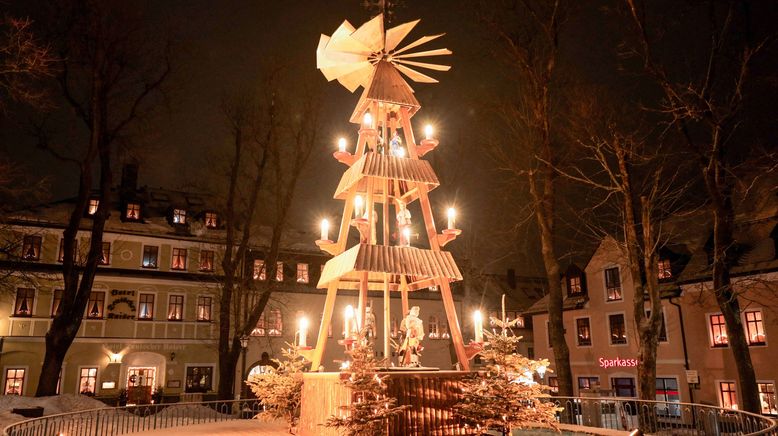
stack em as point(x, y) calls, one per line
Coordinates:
point(415, 75)
point(357, 78)
point(418, 42)
point(396, 34)
point(436, 52)
point(338, 71)
point(436, 67)
point(371, 34)
point(341, 40)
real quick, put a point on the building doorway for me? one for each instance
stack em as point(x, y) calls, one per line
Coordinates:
point(140, 383)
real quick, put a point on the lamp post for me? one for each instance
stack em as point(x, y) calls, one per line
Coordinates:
point(244, 345)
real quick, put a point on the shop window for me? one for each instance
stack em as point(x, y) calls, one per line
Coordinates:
point(199, 378)
point(96, 306)
point(105, 254)
point(574, 288)
point(175, 308)
point(767, 398)
point(150, 256)
point(583, 332)
point(31, 247)
point(433, 328)
point(204, 308)
point(553, 385)
point(211, 220)
point(618, 331)
point(179, 216)
point(259, 270)
point(302, 273)
point(92, 208)
point(146, 306)
point(755, 327)
point(206, 260)
point(56, 302)
point(132, 212)
point(87, 381)
point(275, 323)
point(662, 327)
point(664, 270)
point(623, 386)
point(25, 297)
point(14, 381)
point(61, 254)
point(728, 395)
point(179, 259)
point(666, 394)
point(613, 284)
point(279, 271)
point(588, 382)
point(718, 330)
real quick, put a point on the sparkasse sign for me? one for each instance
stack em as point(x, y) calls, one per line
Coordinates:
point(617, 363)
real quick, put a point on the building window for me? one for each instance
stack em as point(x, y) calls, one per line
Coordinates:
point(179, 259)
point(588, 382)
point(31, 247)
point(553, 384)
point(56, 302)
point(93, 204)
point(767, 398)
point(198, 378)
point(664, 271)
point(14, 381)
point(259, 270)
point(150, 256)
point(623, 386)
point(146, 306)
point(61, 255)
point(179, 216)
point(302, 273)
point(433, 328)
point(662, 327)
point(25, 297)
point(279, 271)
point(133, 211)
point(259, 329)
point(574, 287)
point(211, 220)
point(105, 255)
point(728, 395)
point(206, 260)
point(203, 308)
point(275, 324)
point(443, 329)
point(613, 284)
point(755, 327)
point(87, 381)
point(667, 393)
point(175, 308)
point(96, 306)
point(618, 329)
point(583, 332)
point(718, 331)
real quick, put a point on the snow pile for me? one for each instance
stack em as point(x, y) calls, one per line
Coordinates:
point(51, 405)
point(193, 411)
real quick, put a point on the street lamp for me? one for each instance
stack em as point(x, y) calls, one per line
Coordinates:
point(244, 345)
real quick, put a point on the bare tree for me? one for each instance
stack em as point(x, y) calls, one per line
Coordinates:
point(704, 105)
point(108, 79)
point(25, 61)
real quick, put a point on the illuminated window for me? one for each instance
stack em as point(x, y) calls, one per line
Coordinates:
point(25, 297)
point(574, 286)
point(179, 216)
point(146, 306)
point(175, 308)
point(728, 395)
point(105, 254)
point(96, 305)
point(302, 273)
point(31, 247)
point(178, 259)
point(259, 270)
point(718, 331)
point(150, 256)
point(553, 384)
point(663, 269)
point(279, 271)
point(667, 393)
point(259, 329)
point(613, 284)
point(87, 381)
point(443, 328)
point(92, 208)
point(275, 324)
point(206, 260)
point(588, 382)
point(755, 327)
point(56, 302)
point(199, 378)
point(767, 398)
point(617, 329)
point(433, 328)
point(133, 211)
point(61, 255)
point(662, 328)
point(211, 220)
point(583, 332)
point(14, 381)
point(204, 308)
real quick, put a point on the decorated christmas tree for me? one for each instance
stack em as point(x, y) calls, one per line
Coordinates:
point(280, 388)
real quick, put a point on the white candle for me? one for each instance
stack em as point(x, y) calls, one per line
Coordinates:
point(478, 324)
point(358, 205)
point(348, 317)
point(303, 334)
point(452, 218)
point(342, 145)
point(428, 131)
point(367, 120)
point(325, 230)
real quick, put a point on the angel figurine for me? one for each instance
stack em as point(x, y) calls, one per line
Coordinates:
point(403, 222)
point(413, 329)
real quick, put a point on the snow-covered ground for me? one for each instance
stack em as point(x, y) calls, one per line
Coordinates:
point(51, 405)
point(239, 427)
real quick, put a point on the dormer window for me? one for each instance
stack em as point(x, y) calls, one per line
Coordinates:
point(664, 271)
point(574, 286)
point(179, 216)
point(133, 211)
point(211, 220)
point(575, 279)
point(93, 204)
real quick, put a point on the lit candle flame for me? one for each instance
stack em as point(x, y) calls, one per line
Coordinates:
point(325, 230)
point(342, 145)
point(407, 236)
point(303, 333)
point(452, 216)
point(347, 320)
point(478, 325)
point(358, 204)
point(367, 120)
point(428, 131)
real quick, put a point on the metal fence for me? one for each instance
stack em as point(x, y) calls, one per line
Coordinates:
point(110, 421)
point(661, 417)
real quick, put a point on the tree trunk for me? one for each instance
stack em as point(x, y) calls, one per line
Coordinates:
point(228, 362)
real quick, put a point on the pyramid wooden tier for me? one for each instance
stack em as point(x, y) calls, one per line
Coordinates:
point(421, 268)
point(399, 177)
point(389, 88)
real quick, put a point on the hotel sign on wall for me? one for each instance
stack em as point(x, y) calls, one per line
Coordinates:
point(122, 300)
point(617, 363)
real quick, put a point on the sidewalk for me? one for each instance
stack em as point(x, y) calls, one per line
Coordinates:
point(238, 427)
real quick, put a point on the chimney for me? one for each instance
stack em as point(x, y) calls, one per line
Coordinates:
point(129, 178)
point(511, 278)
